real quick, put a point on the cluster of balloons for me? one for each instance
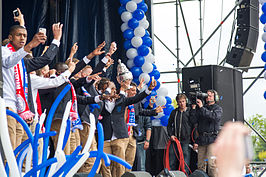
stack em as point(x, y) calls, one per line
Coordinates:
point(263, 21)
point(140, 58)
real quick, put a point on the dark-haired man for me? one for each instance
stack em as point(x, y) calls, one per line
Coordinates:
point(17, 87)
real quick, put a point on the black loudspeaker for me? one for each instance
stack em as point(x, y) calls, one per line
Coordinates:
point(136, 174)
point(85, 175)
point(248, 17)
point(226, 81)
point(198, 173)
point(249, 3)
point(172, 174)
point(239, 57)
point(247, 37)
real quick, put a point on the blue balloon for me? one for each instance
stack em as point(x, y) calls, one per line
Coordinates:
point(143, 50)
point(121, 9)
point(123, 2)
point(157, 86)
point(264, 8)
point(146, 104)
point(128, 34)
point(154, 66)
point(127, 44)
point(139, 61)
point(164, 120)
point(152, 118)
point(147, 33)
point(138, 14)
point(263, 56)
point(136, 80)
point(265, 66)
point(136, 71)
point(156, 74)
point(265, 94)
point(265, 46)
point(133, 23)
point(168, 109)
point(168, 100)
point(263, 18)
point(147, 41)
point(143, 6)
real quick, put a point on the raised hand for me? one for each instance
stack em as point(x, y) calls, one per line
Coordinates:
point(95, 77)
point(109, 63)
point(38, 38)
point(112, 49)
point(19, 18)
point(74, 50)
point(159, 109)
point(141, 83)
point(57, 30)
point(71, 65)
point(97, 51)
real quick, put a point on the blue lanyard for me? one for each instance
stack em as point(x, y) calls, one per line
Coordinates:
point(25, 79)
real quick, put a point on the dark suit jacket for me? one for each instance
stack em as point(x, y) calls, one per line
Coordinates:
point(115, 122)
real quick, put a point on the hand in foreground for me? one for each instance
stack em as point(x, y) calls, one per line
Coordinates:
point(112, 49)
point(57, 30)
point(172, 138)
point(97, 51)
point(159, 109)
point(141, 84)
point(71, 65)
point(229, 149)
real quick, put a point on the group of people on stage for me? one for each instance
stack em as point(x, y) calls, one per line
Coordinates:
point(30, 87)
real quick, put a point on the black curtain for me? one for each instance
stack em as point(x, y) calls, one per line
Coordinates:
point(88, 22)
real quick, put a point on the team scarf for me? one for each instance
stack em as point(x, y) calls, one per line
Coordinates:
point(75, 119)
point(21, 89)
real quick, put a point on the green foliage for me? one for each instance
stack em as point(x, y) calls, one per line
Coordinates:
point(259, 123)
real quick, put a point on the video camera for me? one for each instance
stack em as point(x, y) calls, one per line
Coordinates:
point(195, 93)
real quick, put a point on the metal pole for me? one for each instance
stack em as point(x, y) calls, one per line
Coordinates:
point(168, 48)
point(239, 2)
point(201, 34)
point(185, 25)
point(263, 139)
point(253, 82)
point(177, 46)
point(262, 172)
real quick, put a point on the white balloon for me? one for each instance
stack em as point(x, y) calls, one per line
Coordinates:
point(149, 58)
point(162, 91)
point(144, 23)
point(130, 63)
point(160, 100)
point(145, 87)
point(264, 36)
point(136, 41)
point(126, 16)
point(137, 1)
point(160, 114)
point(139, 31)
point(131, 6)
point(147, 67)
point(124, 27)
point(145, 76)
point(131, 53)
point(262, 1)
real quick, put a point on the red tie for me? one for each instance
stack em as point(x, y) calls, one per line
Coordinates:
point(39, 106)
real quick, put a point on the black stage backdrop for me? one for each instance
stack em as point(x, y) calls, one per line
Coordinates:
point(88, 22)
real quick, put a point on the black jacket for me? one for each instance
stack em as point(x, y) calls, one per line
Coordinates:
point(143, 122)
point(115, 122)
point(180, 124)
point(208, 120)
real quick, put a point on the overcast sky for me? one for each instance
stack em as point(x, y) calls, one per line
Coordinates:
point(164, 27)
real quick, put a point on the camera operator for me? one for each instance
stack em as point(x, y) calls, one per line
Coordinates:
point(208, 119)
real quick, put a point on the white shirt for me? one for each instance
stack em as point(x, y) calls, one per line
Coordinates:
point(9, 60)
point(38, 82)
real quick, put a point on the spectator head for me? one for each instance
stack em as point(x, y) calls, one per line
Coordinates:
point(43, 71)
point(133, 90)
point(181, 100)
point(103, 84)
point(86, 71)
point(17, 36)
point(60, 68)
